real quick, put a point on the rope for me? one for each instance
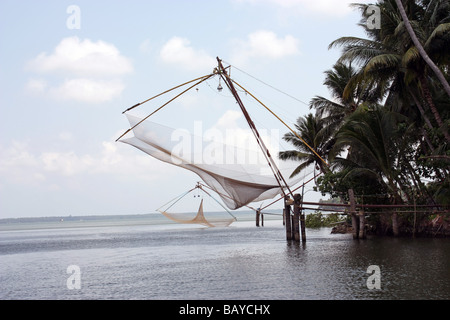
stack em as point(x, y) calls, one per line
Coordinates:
point(315, 176)
point(229, 82)
point(178, 95)
point(138, 104)
point(287, 126)
point(276, 89)
point(177, 199)
point(224, 195)
point(199, 186)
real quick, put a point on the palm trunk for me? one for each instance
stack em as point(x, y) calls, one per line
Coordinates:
point(421, 50)
point(429, 99)
point(422, 111)
point(427, 140)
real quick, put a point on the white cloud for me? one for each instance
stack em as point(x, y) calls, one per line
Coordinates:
point(82, 58)
point(21, 165)
point(16, 155)
point(229, 119)
point(87, 90)
point(68, 163)
point(178, 51)
point(92, 71)
point(17, 164)
point(265, 44)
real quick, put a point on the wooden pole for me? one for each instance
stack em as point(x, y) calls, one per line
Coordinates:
point(415, 217)
point(257, 217)
point(292, 224)
point(355, 224)
point(302, 225)
point(296, 228)
point(287, 210)
point(262, 220)
point(362, 223)
point(395, 229)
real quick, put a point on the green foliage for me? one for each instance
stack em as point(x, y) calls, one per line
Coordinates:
point(318, 220)
point(385, 129)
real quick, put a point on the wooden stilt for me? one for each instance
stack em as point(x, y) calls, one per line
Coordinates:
point(257, 217)
point(296, 217)
point(362, 225)
point(292, 224)
point(395, 224)
point(284, 216)
point(262, 220)
point(303, 226)
point(287, 210)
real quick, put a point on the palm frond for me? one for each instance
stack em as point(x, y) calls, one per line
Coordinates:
point(438, 32)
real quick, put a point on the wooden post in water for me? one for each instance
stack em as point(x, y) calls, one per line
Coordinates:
point(262, 219)
point(395, 229)
point(355, 224)
point(257, 217)
point(302, 224)
point(287, 210)
point(362, 225)
point(296, 228)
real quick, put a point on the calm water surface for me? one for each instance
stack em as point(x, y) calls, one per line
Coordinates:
point(238, 262)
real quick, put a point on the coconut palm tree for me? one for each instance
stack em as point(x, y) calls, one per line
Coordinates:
point(418, 46)
point(377, 145)
point(390, 58)
point(346, 94)
point(311, 129)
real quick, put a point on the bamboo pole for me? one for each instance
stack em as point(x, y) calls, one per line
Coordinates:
point(165, 104)
point(273, 166)
point(160, 94)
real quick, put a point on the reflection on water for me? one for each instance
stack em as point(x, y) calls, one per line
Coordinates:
point(239, 262)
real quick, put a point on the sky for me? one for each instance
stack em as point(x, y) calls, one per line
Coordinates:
point(69, 68)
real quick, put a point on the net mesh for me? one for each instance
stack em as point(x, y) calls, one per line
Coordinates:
point(230, 171)
point(210, 219)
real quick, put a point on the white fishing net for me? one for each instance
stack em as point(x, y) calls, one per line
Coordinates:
point(238, 176)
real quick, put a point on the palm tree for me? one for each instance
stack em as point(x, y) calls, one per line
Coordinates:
point(347, 94)
point(391, 59)
point(313, 131)
point(440, 29)
point(376, 145)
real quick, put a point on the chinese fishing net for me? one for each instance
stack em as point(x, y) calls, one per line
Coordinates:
point(236, 175)
point(210, 213)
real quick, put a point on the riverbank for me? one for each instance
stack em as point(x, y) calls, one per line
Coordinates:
point(431, 226)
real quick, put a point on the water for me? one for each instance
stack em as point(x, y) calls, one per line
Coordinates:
point(168, 261)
